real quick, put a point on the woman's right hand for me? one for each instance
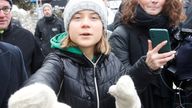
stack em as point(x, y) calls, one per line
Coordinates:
point(155, 60)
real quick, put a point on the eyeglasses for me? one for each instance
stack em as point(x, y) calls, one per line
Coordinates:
point(6, 10)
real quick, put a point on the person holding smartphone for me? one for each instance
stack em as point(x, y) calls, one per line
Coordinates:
point(131, 43)
point(82, 69)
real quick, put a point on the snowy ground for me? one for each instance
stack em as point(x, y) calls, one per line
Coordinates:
point(28, 20)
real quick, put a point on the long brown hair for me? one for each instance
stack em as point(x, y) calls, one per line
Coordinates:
point(172, 8)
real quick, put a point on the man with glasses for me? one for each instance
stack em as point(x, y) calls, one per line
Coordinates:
point(6, 9)
point(20, 37)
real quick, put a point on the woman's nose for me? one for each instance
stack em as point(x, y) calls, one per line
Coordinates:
point(154, 1)
point(85, 23)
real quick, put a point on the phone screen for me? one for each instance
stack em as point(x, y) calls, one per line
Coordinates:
point(159, 35)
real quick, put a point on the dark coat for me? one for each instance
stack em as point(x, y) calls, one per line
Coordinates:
point(83, 80)
point(129, 43)
point(188, 12)
point(117, 19)
point(12, 71)
point(116, 22)
point(45, 30)
point(30, 49)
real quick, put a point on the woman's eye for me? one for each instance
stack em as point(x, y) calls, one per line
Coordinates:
point(77, 17)
point(94, 17)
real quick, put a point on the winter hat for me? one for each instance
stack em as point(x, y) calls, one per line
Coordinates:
point(47, 5)
point(73, 6)
point(10, 2)
point(35, 96)
point(184, 60)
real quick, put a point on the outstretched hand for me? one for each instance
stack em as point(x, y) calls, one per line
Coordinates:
point(35, 96)
point(125, 93)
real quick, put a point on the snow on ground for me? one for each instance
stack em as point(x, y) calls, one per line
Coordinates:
point(28, 19)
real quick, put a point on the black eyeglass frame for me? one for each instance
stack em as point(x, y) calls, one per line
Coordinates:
point(6, 10)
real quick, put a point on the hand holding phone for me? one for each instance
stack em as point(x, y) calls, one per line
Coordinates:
point(159, 35)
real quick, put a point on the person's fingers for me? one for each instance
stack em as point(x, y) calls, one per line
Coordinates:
point(156, 61)
point(159, 63)
point(165, 55)
point(159, 46)
point(166, 59)
point(150, 45)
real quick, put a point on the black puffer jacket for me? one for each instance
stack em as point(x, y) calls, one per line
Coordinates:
point(85, 82)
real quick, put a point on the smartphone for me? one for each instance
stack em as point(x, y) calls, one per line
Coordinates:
point(159, 35)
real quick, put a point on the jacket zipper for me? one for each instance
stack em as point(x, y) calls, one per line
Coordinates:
point(1, 37)
point(96, 86)
point(1, 34)
point(95, 80)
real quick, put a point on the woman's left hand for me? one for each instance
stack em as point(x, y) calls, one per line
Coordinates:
point(156, 60)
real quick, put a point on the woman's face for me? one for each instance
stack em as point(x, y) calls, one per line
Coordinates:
point(86, 29)
point(152, 7)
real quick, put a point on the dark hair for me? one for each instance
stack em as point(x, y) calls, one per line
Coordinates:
point(10, 2)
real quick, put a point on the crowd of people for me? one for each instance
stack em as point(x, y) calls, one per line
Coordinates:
point(72, 62)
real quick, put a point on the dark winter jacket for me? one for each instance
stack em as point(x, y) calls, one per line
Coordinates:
point(129, 43)
point(188, 12)
point(12, 71)
point(25, 40)
point(84, 83)
point(46, 28)
point(117, 19)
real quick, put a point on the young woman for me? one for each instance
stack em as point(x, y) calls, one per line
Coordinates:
point(130, 44)
point(83, 68)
